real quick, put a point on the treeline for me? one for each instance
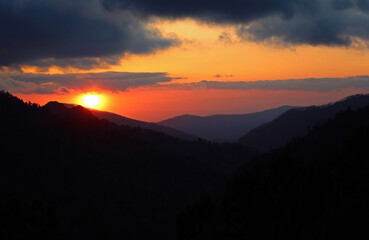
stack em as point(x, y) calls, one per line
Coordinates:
point(65, 174)
point(314, 188)
point(297, 122)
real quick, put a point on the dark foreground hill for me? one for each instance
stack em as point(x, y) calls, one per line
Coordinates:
point(314, 188)
point(296, 123)
point(222, 127)
point(67, 175)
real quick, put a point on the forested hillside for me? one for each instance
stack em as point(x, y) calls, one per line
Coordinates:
point(297, 123)
point(67, 175)
point(314, 188)
point(222, 127)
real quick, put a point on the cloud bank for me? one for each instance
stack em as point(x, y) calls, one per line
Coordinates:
point(89, 33)
point(218, 11)
point(79, 33)
point(311, 22)
point(63, 83)
point(307, 84)
point(123, 81)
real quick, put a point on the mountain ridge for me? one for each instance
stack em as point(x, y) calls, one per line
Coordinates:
point(122, 120)
point(222, 127)
point(297, 122)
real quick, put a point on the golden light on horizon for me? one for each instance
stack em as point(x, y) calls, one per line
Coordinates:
point(91, 100)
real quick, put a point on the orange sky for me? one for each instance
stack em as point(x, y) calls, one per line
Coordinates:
point(202, 55)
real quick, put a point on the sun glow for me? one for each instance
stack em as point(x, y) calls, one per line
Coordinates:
point(91, 101)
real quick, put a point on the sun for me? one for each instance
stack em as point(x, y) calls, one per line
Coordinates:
point(91, 101)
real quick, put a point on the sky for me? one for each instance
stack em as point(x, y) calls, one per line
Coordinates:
point(152, 60)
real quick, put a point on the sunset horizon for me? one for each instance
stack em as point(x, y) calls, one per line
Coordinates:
point(157, 114)
point(185, 61)
point(184, 120)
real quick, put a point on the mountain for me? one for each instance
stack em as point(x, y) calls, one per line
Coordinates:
point(65, 174)
point(124, 121)
point(222, 127)
point(296, 123)
point(120, 120)
point(314, 188)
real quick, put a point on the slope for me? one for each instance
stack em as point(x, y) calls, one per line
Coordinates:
point(124, 121)
point(120, 120)
point(296, 123)
point(66, 174)
point(222, 127)
point(314, 188)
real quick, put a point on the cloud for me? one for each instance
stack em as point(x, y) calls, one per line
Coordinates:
point(311, 22)
point(225, 37)
point(308, 84)
point(332, 27)
point(218, 11)
point(123, 81)
point(63, 83)
point(223, 76)
point(71, 33)
point(90, 33)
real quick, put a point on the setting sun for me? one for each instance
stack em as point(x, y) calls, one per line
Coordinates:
point(91, 101)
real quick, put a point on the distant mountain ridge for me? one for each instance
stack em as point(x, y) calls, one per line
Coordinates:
point(297, 122)
point(222, 127)
point(121, 120)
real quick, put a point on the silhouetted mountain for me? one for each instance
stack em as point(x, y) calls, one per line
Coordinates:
point(124, 121)
point(75, 112)
point(66, 174)
point(314, 188)
point(222, 127)
point(296, 123)
point(120, 120)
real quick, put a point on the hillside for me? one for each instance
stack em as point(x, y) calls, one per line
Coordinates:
point(222, 127)
point(296, 123)
point(124, 121)
point(314, 188)
point(120, 120)
point(66, 174)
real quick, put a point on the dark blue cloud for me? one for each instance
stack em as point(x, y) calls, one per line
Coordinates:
point(308, 84)
point(87, 33)
point(63, 83)
point(340, 23)
point(312, 22)
point(35, 30)
point(123, 81)
point(221, 11)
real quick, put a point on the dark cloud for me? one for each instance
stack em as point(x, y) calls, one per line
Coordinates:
point(220, 11)
point(341, 25)
point(312, 22)
point(308, 84)
point(70, 33)
point(89, 33)
point(123, 81)
point(63, 83)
